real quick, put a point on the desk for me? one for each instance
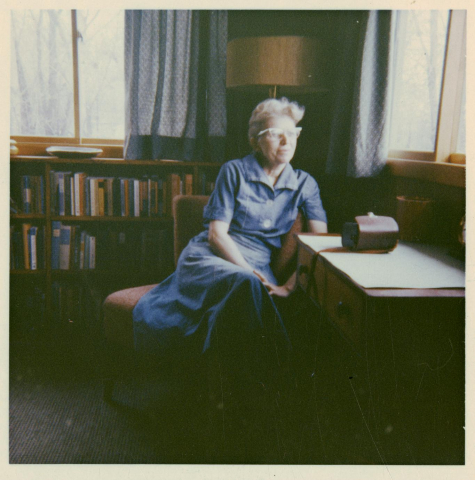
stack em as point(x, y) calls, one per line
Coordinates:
point(391, 360)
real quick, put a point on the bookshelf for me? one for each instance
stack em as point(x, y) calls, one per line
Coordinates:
point(123, 242)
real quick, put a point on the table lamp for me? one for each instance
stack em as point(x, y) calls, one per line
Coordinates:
point(293, 63)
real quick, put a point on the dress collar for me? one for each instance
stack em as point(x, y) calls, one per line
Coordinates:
point(255, 173)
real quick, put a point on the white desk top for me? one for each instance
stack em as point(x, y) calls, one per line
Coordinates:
point(409, 265)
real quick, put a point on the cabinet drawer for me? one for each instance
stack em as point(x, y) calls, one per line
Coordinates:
point(310, 277)
point(345, 306)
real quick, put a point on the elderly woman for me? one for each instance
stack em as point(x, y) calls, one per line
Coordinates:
point(222, 294)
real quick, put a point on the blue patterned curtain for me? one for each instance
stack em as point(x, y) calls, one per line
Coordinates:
point(175, 77)
point(359, 131)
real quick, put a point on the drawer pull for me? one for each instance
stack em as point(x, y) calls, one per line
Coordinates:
point(343, 310)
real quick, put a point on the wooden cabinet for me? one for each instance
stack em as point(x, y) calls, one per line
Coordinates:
point(390, 369)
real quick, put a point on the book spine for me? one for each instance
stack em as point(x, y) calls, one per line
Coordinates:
point(100, 197)
point(26, 193)
point(87, 196)
point(110, 197)
point(126, 197)
point(140, 199)
point(150, 199)
point(26, 252)
point(146, 198)
point(92, 253)
point(76, 195)
point(53, 192)
point(67, 193)
point(136, 198)
point(92, 193)
point(56, 227)
point(117, 196)
point(86, 252)
point(61, 202)
point(144, 208)
point(64, 247)
point(32, 247)
point(73, 196)
point(131, 197)
point(42, 195)
point(175, 189)
point(82, 199)
point(189, 184)
point(122, 197)
point(203, 183)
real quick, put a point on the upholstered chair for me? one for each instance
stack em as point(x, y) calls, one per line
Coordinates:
point(118, 307)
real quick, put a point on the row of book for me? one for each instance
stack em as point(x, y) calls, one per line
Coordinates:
point(143, 250)
point(78, 194)
point(32, 194)
point(27, 247)
point(205, 184)
point(72, 248)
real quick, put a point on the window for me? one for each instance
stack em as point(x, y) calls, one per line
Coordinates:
point(428, 93)
point(67, 76)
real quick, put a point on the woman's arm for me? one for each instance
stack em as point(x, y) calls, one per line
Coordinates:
point(314, 226)
point(317, 226)
point(223, 245)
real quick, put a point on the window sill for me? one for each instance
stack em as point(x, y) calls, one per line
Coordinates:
point(36, 148)
point(442, 173)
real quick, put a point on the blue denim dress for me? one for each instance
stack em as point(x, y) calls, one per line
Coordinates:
point(209, 302)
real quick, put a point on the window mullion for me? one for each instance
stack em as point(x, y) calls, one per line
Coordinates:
point(77, 118)
point(452, 85)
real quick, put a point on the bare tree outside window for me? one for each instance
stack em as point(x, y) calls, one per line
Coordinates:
point(42, 101)
point(42, 73)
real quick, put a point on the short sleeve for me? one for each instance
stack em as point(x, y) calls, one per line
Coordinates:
point(312, 204)
point(221, 203)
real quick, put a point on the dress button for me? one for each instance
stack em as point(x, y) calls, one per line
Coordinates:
point(269, 202)
point(267, 223)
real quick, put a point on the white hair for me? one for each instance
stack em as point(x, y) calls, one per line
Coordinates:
point(273, 107)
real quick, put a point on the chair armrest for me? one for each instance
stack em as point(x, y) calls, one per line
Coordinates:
point(188, 218)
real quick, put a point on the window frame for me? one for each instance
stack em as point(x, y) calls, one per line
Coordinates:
point(453, 78)
point(36, 145)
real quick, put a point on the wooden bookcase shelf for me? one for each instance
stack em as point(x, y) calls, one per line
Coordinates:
point(27, 272)
point(27, 216)
point(127, 274)
point(111, 161)
point(73, 218)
